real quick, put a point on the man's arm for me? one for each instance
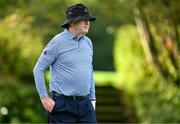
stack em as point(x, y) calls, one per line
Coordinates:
point(47, 57)
point(92, 90)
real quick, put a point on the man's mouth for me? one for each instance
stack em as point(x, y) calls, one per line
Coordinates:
point(86, 26)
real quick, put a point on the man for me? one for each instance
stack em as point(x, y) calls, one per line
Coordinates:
point(69, 56)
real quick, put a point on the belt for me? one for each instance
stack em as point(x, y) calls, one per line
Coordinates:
point(55, 94)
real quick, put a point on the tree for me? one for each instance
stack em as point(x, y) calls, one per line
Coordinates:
point(159, 35)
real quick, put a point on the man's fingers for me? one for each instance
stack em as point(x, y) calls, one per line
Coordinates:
point(51, 106)
point(48, 103)
point(48, 108)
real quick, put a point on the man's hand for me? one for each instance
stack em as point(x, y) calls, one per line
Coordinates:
point(48, 103)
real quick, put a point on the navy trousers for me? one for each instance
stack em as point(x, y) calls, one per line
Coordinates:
point(72, 111)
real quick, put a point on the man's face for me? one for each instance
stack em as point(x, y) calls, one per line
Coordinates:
point(82, 26)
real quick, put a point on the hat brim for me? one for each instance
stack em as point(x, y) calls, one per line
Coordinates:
point(81, 17)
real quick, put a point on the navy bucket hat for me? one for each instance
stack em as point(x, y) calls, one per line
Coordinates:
point(77, 12)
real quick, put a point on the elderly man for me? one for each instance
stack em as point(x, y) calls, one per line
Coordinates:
point(69, 55)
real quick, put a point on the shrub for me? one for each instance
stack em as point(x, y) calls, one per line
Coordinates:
point(154, 99)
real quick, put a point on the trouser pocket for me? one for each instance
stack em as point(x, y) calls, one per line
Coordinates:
point(59, 105)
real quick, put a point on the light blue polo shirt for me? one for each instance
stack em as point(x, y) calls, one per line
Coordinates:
point(70, 62)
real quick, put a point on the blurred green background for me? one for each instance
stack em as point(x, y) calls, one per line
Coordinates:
point(136, 58)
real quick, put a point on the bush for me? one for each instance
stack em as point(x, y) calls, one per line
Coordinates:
point(19, 48)
point(157, 102)
point(154, 99)
point(19, 102)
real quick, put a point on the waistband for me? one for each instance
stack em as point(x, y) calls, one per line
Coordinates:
point(55, 94)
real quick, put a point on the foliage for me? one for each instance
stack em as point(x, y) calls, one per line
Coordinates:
point(160, 35)
point(156, 102)
point(18, 47)
point(102, 45)
point(147, 91)
point(149, 75)
point(129, 56)
point(20, 102)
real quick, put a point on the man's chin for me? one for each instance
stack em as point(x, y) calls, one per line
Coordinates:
point(85, 32)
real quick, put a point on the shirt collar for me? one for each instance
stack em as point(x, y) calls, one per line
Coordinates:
point(71, 35)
